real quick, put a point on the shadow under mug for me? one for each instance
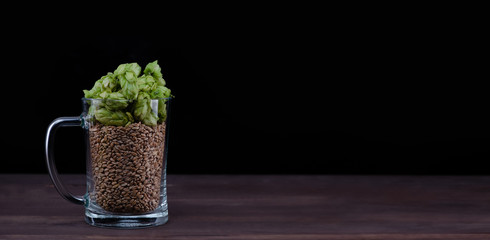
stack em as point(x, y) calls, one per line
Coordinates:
point(126, 161)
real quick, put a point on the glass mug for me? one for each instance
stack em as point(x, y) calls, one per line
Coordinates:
point(126, 161)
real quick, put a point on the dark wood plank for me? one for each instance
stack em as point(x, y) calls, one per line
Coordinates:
point(268, 207)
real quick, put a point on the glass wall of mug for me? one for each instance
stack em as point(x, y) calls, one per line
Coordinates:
point(126, 149)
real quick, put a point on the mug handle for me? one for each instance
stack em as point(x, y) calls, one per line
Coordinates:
point(53, 173)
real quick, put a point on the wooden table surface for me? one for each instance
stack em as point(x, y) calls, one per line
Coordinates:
point(267, 207)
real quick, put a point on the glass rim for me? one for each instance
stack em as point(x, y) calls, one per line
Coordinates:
point(100, 99)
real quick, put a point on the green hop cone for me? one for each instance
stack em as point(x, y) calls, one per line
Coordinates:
point(160, 93)
point(114, 101)
point(162, 110)
point(143, 110)
point(109, 83)
point(127, 74)
point(128, 67)
point(142, 106)
point(126, 96)
point(151, 119)
point(95, 91)
point(154, 70)
point(129, 88)
point(146, 83)
point(113, 118)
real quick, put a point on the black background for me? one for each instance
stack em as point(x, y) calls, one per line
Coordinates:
point(304, 90)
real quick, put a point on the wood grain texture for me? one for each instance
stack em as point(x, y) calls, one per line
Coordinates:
point(267, 207)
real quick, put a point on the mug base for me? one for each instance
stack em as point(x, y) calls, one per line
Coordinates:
point(125, 221)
